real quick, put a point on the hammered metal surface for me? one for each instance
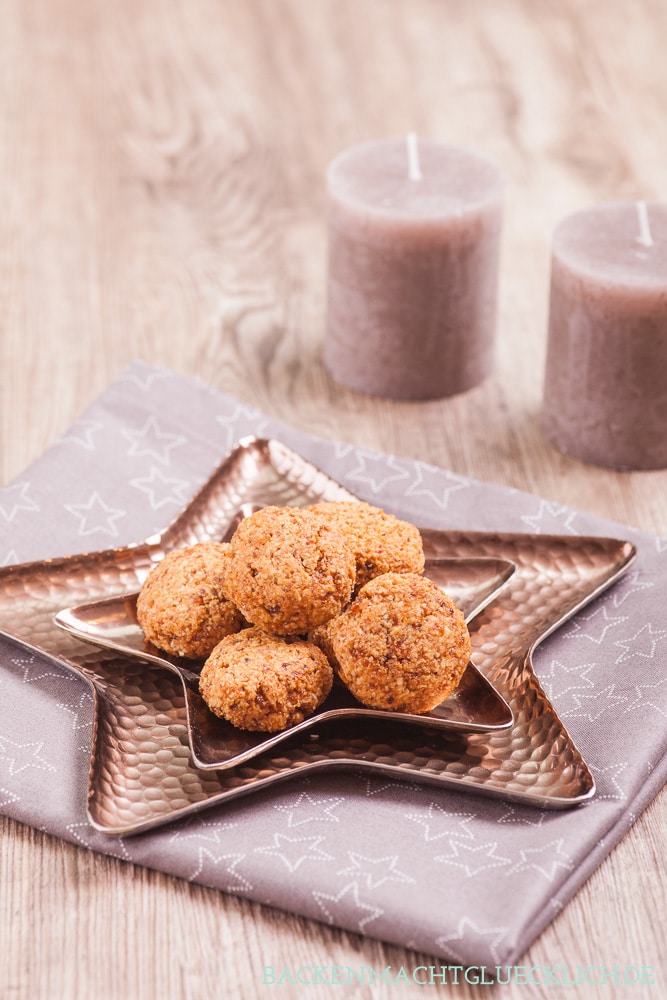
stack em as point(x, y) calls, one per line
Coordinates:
point(142, 772)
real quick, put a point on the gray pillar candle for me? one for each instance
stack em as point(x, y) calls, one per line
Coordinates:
point(414, 237)
point(605, 389)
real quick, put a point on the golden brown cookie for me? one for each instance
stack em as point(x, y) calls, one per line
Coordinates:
point(183, 607)
point(402, 645)
point(289, 570)
point(381, 543)
point(260, 682)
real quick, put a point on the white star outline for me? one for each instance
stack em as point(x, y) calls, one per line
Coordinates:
point(555, 515)
point(342, 449)
point(630, 646)
point(206, 858)
point(82, 832)
point(162, 490)
point(419, 486)
point(150, 441)
point(20, 760)
point(526, 818)
point(557, 669)
point(312, 852)
point(598, 616)
point(466, 929)
point(244, 420)
point(305, 801)
point(551, 857)
point(27, 665)
point(592, 705)
point(643, 701)
point(82, 434)
point(351, 890)
point(473, 858)
point(96, 508)
point(372, 878)
point(628, 585)
point(145, 379)
point(7, 797)
point(82, 707)
point(431, 820)
point(209, 831)
point(14, 499)
point(363, 473)
point(604, 772)
point(376, 786)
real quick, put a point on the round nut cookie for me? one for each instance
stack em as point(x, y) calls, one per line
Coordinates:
point(289, 570)
point(402, 645)
point(183, 607)
point(381, 543)
point(260, 682)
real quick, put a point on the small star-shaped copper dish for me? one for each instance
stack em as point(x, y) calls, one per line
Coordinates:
point(147, 767)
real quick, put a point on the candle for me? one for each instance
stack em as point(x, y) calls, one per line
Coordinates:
point(414, 234)
point(605, 389)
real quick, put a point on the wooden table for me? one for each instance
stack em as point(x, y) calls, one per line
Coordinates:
point(162, 197)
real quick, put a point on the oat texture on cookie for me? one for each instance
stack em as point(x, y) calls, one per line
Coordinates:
point(262, 682)
point(381, 543)
point(289, 570)
point(183, 607)
point(402, 645)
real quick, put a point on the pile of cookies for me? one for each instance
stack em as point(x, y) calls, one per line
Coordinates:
point(297, 595)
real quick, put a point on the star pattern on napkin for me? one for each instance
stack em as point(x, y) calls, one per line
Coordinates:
point(81, 712)
point(83, 434)
point(7, 797)
point(592, 705)
point(16, 757)
point(150, 441)
point(376, 471)
point(358, 913)
point(96, 516)
point(15, 498)
point(207, 830)
point(374, 872)
point(144, 377)
point(642, 644)
point(551, 517)
point(593, 626)
point(295, 851)
point(307, 808)
point(608, 776)
point(645, 697)
point(220, 870)
point(561, 680)
point(631, 583)
point(524, 817)
point(162, 490)
point(438, 487)
point(438, 822)
point(473, 858)
point(243, 420)
point(84, 835)
point(466, 930)
point(545, 860)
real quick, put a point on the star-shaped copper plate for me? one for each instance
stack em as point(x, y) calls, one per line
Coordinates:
point(142, 769)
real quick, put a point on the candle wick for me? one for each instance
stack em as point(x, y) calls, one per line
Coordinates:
point(414, 169)
point(645, 237)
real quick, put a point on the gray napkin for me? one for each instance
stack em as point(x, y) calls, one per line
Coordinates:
point(469, 879)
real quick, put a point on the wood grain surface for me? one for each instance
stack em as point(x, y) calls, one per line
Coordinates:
point(161, 177)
